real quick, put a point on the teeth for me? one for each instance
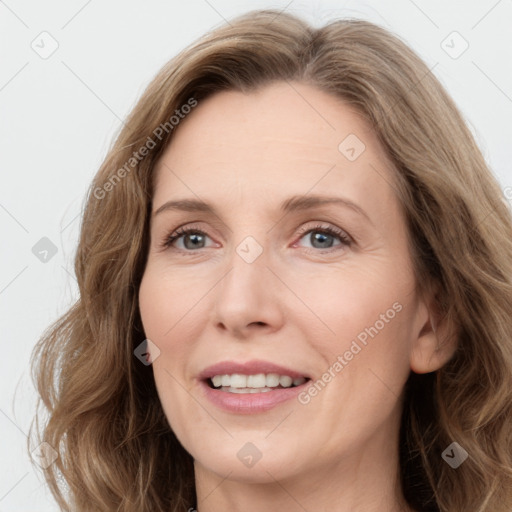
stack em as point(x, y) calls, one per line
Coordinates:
point(260, 382)
point(285, 381)
point(245, 390)
point(236, 381)
point(272, 380)
point(253, 381)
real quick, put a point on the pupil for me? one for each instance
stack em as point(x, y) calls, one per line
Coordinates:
point(194, 238)
point(322, 238)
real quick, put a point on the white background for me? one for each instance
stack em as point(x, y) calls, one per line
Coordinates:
point(58, 116)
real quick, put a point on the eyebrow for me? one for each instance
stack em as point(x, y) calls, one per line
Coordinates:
point(292, 204)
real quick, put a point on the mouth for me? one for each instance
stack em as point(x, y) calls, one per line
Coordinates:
point(255, 383)
point(250, 387)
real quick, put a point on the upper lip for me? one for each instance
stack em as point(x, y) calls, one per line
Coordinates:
point(248, 368)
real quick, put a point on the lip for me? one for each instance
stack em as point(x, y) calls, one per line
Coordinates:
point(249, 403)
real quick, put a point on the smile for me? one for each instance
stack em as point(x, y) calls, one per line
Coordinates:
point(250, 387)
point(257, 383)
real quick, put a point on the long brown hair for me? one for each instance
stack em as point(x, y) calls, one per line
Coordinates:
point(102, 413)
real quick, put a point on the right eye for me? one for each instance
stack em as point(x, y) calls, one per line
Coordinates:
point(192, 239)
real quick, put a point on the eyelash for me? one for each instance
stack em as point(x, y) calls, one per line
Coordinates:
point(344, 238)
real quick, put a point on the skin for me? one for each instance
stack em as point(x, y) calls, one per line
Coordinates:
point(299, 304)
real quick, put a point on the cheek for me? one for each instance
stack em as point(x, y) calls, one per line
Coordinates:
point(164, 320)
point(147, 293)
point(174, 312)
point(348, 300)
point(166, 301)
point(366, 315)
point(365, 364)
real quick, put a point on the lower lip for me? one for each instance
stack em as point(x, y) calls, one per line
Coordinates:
point(250, 403)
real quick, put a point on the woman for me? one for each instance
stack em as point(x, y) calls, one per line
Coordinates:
point(295, 290)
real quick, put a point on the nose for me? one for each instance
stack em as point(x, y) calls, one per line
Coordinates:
point(249, 298)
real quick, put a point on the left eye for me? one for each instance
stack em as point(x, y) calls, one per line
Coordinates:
point(323, 238)
point(320, 237)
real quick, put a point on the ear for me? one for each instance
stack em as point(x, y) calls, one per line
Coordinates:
point(435, 339)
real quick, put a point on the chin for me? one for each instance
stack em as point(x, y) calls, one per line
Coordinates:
point(264, 471)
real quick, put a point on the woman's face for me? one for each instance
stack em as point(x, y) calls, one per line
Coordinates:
point(260, 282)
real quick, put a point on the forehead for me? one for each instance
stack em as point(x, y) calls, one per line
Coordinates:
point(281, 140)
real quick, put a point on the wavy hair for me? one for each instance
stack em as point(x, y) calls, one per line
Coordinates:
point(102, 414)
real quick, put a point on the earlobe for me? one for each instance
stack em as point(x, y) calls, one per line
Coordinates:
point(434, 345)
